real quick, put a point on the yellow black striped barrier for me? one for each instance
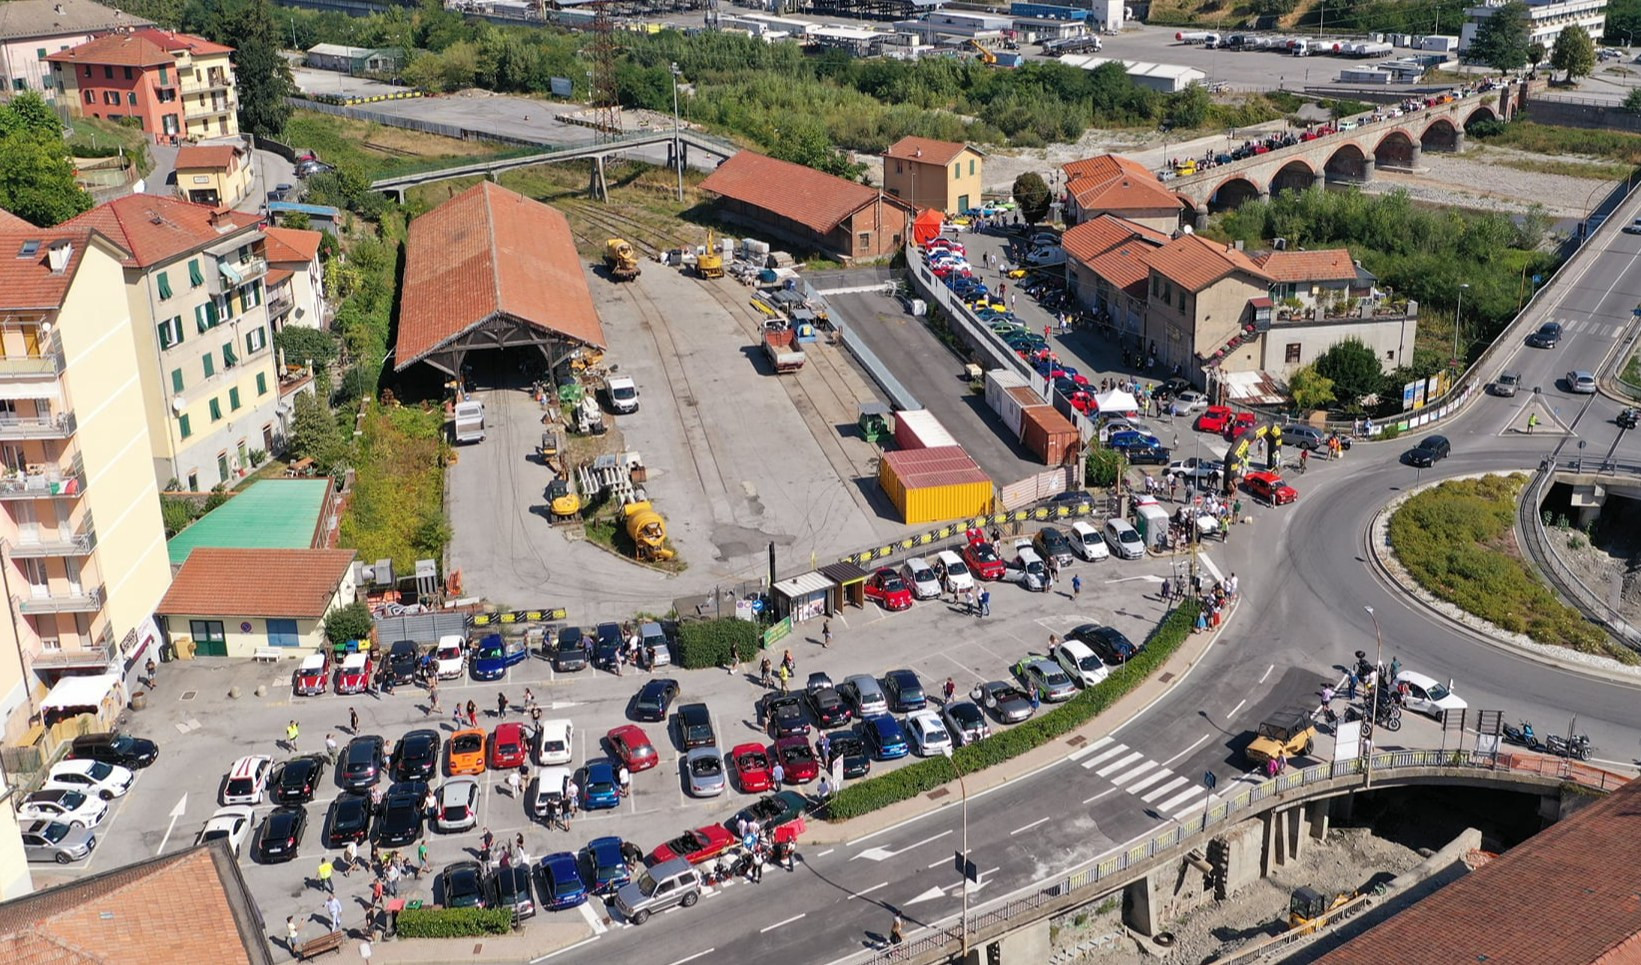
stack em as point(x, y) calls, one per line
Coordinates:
point(516, 616)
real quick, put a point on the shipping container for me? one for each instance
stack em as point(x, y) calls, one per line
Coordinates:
point(1049, 435)
point(1015, 401)
point(1152, 522)
point(919, 429)
point(934, 485)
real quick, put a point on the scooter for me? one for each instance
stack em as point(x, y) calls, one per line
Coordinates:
point(1522, 736)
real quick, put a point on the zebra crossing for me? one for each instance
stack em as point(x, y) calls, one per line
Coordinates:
point(1591, 327)
point(1158, 787)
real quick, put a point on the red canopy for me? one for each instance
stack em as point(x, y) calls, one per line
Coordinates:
point(927, 226)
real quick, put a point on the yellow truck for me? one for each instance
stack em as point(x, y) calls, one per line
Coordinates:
point(621, 259)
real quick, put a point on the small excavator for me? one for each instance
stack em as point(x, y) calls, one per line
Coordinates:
point(710, 263)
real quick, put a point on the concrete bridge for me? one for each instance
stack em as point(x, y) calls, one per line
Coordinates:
point(1394, 142)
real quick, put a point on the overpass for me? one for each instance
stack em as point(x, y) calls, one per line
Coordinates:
point(398, 184)
point(1291, 808)
point(1353, 155)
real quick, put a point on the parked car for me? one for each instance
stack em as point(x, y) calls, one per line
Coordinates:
point(607, 859)
point(508, 746)
point(402, 658)
point(280, 837)
point(122, 749)
point(298, 779)
point(462, 885)
point(416, 756)
point(466, 751)
point(848, 747)
point(669, 884)
point(1429, 451)
point(785, 715)
point(1107, 643)
point(885, 736)
point(247, 780)
point(489, 658)
point(927, 734)
point(399, 822)
point(1080, 662)
point(863, 694)
point(106, 781)
point(555, 741)
point(231, 824)
point(1547, 336)
point(571, 651)
point(965, 721)
point(654, 699)
point(348, 819)
point(828, 707)
point(656, 647)
point(1196, 470)
point(599, 790)
point(312, 675)
point(797, 759)
point(695, 846)
point(1269, 487)
point(1087, 541)
point(450, 657)
point(547, 790)
point(751, 768)
point(1052, 684)
point(704, 772)
point(361, 762)
point(694, 723)
point(456, 805)
point(511, 887)
point(353, 677)
point(1051, 544)
point(953, 572)
point(983, 561)
point(561, 884)
point(632, 747)
point(771, 811)
point(1005, 701)
point(904, 690)
point(886, 587)
point(1124, 541)
point(63, 843)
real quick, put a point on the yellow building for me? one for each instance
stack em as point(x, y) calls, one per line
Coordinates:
point(943, 175)
point(215, 174)
point(194, 283)
point(230, 602)
point(81, 541)
point(1201, 293)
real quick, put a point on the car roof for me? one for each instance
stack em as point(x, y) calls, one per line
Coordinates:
point(465, 732)
point(556, 726)
point(862, 681)
point(448, 789)
point(1418, 679)
point(511, 728)
point(353, 661)
point(925, 717)
point(1076, 648)
point(631, 733)
point(245, 766)
point(452, 640)
point(313, 661)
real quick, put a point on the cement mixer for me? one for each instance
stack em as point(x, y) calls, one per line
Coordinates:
point(648, 531)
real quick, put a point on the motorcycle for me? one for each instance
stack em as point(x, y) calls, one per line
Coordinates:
point(1522, 736)
point(1628, 418)
point(1576, 746)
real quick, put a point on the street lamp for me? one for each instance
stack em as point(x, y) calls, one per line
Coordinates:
point(1456, 322)
point(1373, 699)
point(677, 145)
point(964, 871)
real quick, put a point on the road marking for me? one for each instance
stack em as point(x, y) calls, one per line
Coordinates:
point(1133, 772)
point(1091, 800)
point(177, 812)
point(1119, 764)
point(592, 919)
point(1149, 780)
point(1211, 567)
point(1163, 789)
point(1179, 798)
point(766, 928)
point(879, 854)
point(867, 891)
point(1084, 751)
point(1135, 579)
point(1028, 827)
point(930, 895)
point(1188, 750)
point(567, 948)
point(709, 951)
point(826, 852)
point(1239, 705)
point(1105, 754)
point(1267, 673)
point(936, 864)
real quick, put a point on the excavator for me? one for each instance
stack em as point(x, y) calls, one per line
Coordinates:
point(986, 56)
point(710, 263)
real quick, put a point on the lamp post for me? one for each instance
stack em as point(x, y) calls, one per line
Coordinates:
point(1457, 322)
point(964, 871)
point(677, 145)
point(1378, 661)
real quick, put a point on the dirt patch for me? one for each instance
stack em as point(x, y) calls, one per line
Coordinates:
point(1610, 565)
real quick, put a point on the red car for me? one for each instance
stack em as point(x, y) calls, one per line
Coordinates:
point(629, 743)
point(508, 746)
point(983, 560)
point(1243, 425)
point(797, 760)
point(1269, 487)
point(354, 675)
point(752, 765)
point(701, 844)
point(313, 677)
point(886, 587)
point(1215, 419)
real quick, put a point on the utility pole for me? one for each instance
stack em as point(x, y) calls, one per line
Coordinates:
point(1373, 699)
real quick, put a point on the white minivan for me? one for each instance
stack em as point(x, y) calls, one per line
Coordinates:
point(1125, 541)
point(953, 571)
point(921, 578)
point(1029, 568)
point(1087, 542)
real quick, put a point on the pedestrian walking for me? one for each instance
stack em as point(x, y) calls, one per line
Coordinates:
point(1395, 668)
point(377, 889)
point(423, 865)
point(293, 933)
point(734, 658)
point(826, 634)
point(895, 937)
point(758, 865)
point(353, 721)
point(1036, 699)
point(1532, 422)
point(1350, 685)
point(947, 690)
point(785, 676)
point(514, 785)
point(1304, 460)
point(330, 747)
point(291, 733)
point(333, 908)
point(985, 603)
point(777, 774)
point(1167, 589)
point(1076, 586)
point(501, 706)
point(350, 857)
point(325, 870)
point(484, 856)
point(623, 778)
point(472, 714)
point(763, 671)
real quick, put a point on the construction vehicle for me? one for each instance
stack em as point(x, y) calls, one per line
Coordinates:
point(710, 263)
point(589, 417)
point(781, 345)
point(648, 532)
point(562, 500)
point(621, 259)
point(1307, 906)
point(469, 421)
point(1286, 734)
point(981, 51)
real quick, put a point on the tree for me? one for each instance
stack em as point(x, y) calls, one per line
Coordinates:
point(1104, 467)
point(263, 76)
point(1310, 388)
point(1353, 369)
point(352, 622)
point(1536, 54)
point(300, 346)
point(1032, 195)
point(36, 176)
point(1189, 108)
point(314, 434)
point(1632, 100)
point(1502, 41)
point(1574, 52)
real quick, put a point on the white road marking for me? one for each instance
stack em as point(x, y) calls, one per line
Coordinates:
point(1091, 800)
point(1239, 706)
point(1188, 750)
point(1149, 780)
point(1105, 755)
point(1267, 673)
point(567, 948)
point(1119, 764)
point(693, 957)
point(936, 864)
point(1168, 788)
point(1133, 772)
point(1091, 748)
point(879, 854)
point(1180, 798)
point(1041, 820)
point(766, 928)
point(866, 891)
point(826, 852)
point(592, 918)
point(1211, 567)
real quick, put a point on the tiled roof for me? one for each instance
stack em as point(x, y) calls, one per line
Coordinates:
point(172, 41)
point(1104, 168)
point(1099, 235)
point(1111, 182)
point(60, 18)
point(117, 50)
point(207, 156)
point(1333, 264)
point(277, 276)
point(29, 283)
point(488, 252)
point(814, 199)
point(9, 221)
point(156, 228)
point(1127, 266)
point(1194, 262)
point(1567, 896)
point(281, 583)
point(287, 245)
point(926, 150)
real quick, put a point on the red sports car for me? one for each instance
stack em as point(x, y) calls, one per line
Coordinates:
point(354, 676)
point(1244, 424)
point(507, 746)
point(752, 765)
point(1268, 486)
point(313, 677)
point(886, 587)
point(983, 560)
point(797, 760)
point(1215, 418)
point(629, 743)
point(701, 844)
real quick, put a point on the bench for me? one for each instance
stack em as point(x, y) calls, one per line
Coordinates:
point(267, 655)
point(331, 942)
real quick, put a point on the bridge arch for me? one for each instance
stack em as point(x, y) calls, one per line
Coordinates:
point(1441, 135)
point(1296, 175)
point(1348, 163)
point(1233, 193)
point(1396, 150)
point(1483, 112)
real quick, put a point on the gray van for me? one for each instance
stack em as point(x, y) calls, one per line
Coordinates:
point(667, 885)
point(654, 641)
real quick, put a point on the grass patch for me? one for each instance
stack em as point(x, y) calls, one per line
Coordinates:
point(1457, 541)
point(397, 509)
point(94, 137)
point(379, 150)
point(1632, 370)
point(1573, 169)
point(1609, 145)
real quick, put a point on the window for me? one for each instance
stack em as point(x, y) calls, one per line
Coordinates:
point(40, 53)
point(957, 170)
point(18, 83)
point(1290, 355)
point(866, 239)
point(108, 72)
point(90, 98)
point(111, 97)
point(222, 467)
point(216, 410)
point(88, 70)
point(282, 633)
point(900, 167)
point(176, 380)
point(131, 98)
point(210, 364)
point(170, 331)
point(128, 73)
point(164, 281)
point(185, 429)
point(256, 340)
point(971, 167)
point(207, 631)
point(233, 399)
point(261, 383)
point(165, 75)
point(1390, 355)
point(212, 313)
point(252, 295)
point(194, 274)
point(229, 359)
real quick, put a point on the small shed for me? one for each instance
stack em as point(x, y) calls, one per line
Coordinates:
point(849, 584)
point(100, 695)
point(805, 597)
point(227, 602)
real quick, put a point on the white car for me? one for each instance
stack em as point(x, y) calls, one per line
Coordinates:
point(1087, 542)
point(233, 823)
point(927, 734)
point(1080, 663)
point(450, 657)
point(1189, 401)
point(953, 572)
point(247, 780)
point(71, 807)
point(107, 781)
point(549, 790)
point(554, 744)
point(458, 805)
point(1426, 696)
point(1047, 257)
point(921, 578)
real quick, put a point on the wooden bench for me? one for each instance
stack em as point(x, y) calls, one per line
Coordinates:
point(267, 655)
point(331, 942)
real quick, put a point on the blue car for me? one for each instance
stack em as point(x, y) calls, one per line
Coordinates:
point(1132, 439)
point(609, 868)
point(489, 658)
point(561, 883)
point(598, 788)
point(883, 732)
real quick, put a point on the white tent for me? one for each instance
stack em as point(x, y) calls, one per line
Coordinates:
point(74, 693)
point(1116, 401)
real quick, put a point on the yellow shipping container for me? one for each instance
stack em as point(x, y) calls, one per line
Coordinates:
point(932, 485)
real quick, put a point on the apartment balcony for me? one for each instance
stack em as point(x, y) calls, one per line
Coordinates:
point(60, 426)
point(43, 368)
point(53, 482)
point(99, 654)
point(80, 544)
point(280, 307)
point(232, 274)
point(215, 108)
point(88, 600)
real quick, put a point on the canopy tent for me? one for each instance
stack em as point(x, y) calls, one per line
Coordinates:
point(927, 226)
point(1116, 401)
point(75, 693)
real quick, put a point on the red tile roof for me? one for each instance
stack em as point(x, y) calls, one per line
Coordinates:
point(1127, 266)
point(1111, 182)
point(286, 245)
point(156, 228)
point(277, 276)
point(814, 199)
point(207, 156)
point(9, 221)
point(173, 41)
point(116, 50)
point(29, 283)
point(1095, 237)
point(1194, 262)
point(489, 252)
point(1569, 895)
point(940, 466)
point(279, 583)
point(1333, 264)
point(926, 150)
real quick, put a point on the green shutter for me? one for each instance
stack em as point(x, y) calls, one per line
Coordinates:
point(176, 380)
point(216, 410)
point(210, 365)
point(229, 359)
point(165, 285)
point(212, 314)
point(194, 273)
point(165, 333)
point(261, 383)
point(233, 399)
point(183, 426)
point(199, 320)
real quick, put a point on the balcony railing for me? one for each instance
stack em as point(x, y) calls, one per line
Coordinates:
point(87, 600)
point(59, 426)
point(80, 544)
point(97, 654)
point(20, 368)
point(278, 307)
point(48, 483)
point(221, 106)
point(232, 274)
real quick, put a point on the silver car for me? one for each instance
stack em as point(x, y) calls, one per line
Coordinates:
point(1052, 683)
point(965, 721)
point(56, 841)
point(458, 804)
point(864, 694)
point(704, 772)
point(1507, 383)
point(1580, 382)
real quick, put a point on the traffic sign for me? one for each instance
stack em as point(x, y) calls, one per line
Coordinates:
point(1209, 780)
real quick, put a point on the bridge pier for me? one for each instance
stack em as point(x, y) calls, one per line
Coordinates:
point(1458, 142)
point(1285, 831)
point(677, 154)
point(1416, 158)
point(1026, 945)
point(1264, 194)
point(1367, 170)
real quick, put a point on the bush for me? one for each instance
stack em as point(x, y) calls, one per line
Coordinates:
point(351, 622)
point(704, 644)
point(1104, 467)
point(454, 922)
point(914, 779)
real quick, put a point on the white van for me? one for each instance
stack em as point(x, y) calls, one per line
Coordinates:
point(953, 572)
point(1031, 573)
point(1125, 541)
point(1087, 542)
point(921, 578)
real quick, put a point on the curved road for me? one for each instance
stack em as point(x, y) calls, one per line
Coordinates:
point(1301, 617)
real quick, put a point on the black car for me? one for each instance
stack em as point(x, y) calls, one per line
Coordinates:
point(121, 749)
point(607, 649)
point(1108, 643)
point(904, 690)
point(416, 756)
point(695, 726)
point(348, 820)
point(655, 699)
point(402, 660)
point(1144, 454)
point(828, 707)
point(361, 763)
point(280, 836)
point(400, 821)
point(1547, 336)
point(571, 652)
point(462, 885)
point(509, 887)
point(298, 779)
point(785, 715)
point(1051, 544)
point(771, 811)
point(1072, 499)
point(1429, 451)
point(851, 749)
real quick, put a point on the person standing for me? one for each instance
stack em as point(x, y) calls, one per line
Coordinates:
point(376, 891)
point(293, 933)
point(485, 855)
point(947, 690)
point(291, 733)
point(353, 721)
point(826, 634)
point(985, 603)
point(1395, 668)
point(777, 774)
point(1167, 589)
point(325, 870)
point(350, 857)
point(333, 908)
point(623, 777)
point(1076, 586)
point(330, 747)
point(424, 866)
point(501, 706)
point(514, 785)
point(895, 937)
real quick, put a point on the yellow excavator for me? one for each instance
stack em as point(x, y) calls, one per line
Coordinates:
point(1307, 906)
point(648, 532)
point(980, 49)
point(710, 264)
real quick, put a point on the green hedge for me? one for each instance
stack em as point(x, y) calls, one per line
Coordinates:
point(706, 643)
point(454, 922)
point(926, 775)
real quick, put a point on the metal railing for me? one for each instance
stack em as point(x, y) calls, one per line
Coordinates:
point(47, 364)
point(80, 544)
point(49, 483)
point(59, 426)
point(86, 600)
point(968, 326)
point(1536, 541)
point(898, 394)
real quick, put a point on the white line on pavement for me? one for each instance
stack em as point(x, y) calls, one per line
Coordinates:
point(826, 852)
point(693, 957)
point(1148, 780)
point(1162, 789)
point(1091, 748)
point(1106, 754)
point(1133, 772)
point(592, 918)
point(864, 891)
point(1267, 673)
point(1091, 800)
point(1188, 750)
point(1239, 705)
point(1028, 827)
point(766, 928)
point(937, 864)
point(1211, 567)
point(1118, 764)
point(1180, 798)
point(567, 948)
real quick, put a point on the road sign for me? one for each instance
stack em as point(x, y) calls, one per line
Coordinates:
point(1209, 780)
point(967, 869)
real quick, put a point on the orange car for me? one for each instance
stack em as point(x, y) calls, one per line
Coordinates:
point(467, 752)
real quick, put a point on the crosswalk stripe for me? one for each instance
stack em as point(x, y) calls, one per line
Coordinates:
point(1169, 805)
point(1133, 772)
point(1103, 755)
point(1118, 765)
point(1149, 780)
point(1164, 789)
point(1085, 751)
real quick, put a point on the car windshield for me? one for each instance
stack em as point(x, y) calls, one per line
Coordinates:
point(490, 651)
point(450, 653)
point(123, 744)
point(551, 745)
point(55, 831)
point(622, 393)
point(99, 770)
point(1053, 677)
point(1438, 692)
point(466, 743)
point(646, 884)
point(922, 575)
point(1129, 536)
point(892, 584)
point(983, 552)
point(935, 734)
point(1035, 567)
point(956, 568)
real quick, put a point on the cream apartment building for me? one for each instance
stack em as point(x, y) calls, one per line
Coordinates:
point(194, 281)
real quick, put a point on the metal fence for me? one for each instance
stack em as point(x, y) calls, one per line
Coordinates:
point(898, 394)
point(1536, 540)
point(420, 627)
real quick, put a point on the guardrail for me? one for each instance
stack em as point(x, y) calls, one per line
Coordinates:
point(1097, 877)
point(1536, 541)
point(977, 335)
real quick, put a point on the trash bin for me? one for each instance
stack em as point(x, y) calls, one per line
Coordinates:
point(139, 700)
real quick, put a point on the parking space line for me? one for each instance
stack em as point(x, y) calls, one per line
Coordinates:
point(1091, 800)
point(826, 852)
point(938, 864)
point(1238, 707)
point(691, 958)
point(963, 666)
point(766, 928)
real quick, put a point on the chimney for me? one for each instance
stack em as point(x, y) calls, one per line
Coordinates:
point(220, 219)
point(1239, 244)
point(58, 254)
